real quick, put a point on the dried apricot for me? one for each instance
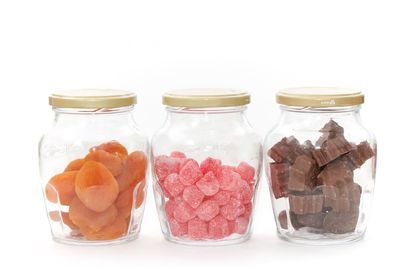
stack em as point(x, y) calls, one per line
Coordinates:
point(112, 147)
point(112, 162)
point(63, 186)
point(86, 218)
point(95, 186)
point(116, 229)
point(75, 165)
point(134, 170)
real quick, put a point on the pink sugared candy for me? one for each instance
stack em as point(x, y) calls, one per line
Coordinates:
point(246, 172)
point(169, 209)
point(173, 184)
point(228, 179)
point(239, 225)
point(233, 209)
point(218, 228)
point(243, 192)
point(193, 196)
point(178, 154)
point(178, 229)
point(210, 165)
point(164, 166)
point(207, 210)
point(209, 184)
point(222, 197)
point(184, 212)
point(190, 172)
point(197, 229)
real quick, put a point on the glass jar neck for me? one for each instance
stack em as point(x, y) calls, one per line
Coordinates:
point(176, 114)
point(76, 115)
point(291, 113)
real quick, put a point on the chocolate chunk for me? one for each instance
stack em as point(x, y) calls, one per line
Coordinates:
point(285, 150)
point(331, 149)
point(301, 172)
point(304, 204)
point(352, 191)
point(329, 131)
point(311, 220)
point(359, 154)
point(341, 222)
point(335, 173)
point(342, 198)
point(294, 222)
point(365, 150)
point(282, 218)
point(279, 173)
point(307, 148)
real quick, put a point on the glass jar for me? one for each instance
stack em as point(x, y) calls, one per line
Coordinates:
point(93, 164)
point(206, 162)
point(320, 161)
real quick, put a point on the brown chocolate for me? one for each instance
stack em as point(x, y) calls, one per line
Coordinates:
point(279, 173)
point(301, 173)
point(282, 218)
point(304, 204)
point(329, 131)
point(311, 220)
point(331, 149)
point(285, 150)
point(359, 154)
point(341, 222)
point(336, 172)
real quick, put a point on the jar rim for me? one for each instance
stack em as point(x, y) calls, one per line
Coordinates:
point(319, 97)
point(93, 98)
point(206, 98)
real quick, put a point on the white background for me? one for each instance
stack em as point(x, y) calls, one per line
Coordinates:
point(152, 46)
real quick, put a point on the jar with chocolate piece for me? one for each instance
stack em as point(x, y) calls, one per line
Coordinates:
point(206, 162)
point(320, 161)
point(93, 164)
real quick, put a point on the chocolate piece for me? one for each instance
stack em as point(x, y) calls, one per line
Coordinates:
point(329, 131)
point(307, 148)
point(282, 218)
point(311, 220)
point(341, 222)
point(331, 149)
point(342, 198)
point(352, 191)
point(359, 154)
point(285, 150)
point(294, 222)
point(336, 172)
point(300, 173)
point(304, 204)
point(279, 173)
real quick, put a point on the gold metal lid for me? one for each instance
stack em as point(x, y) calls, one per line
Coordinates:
point(92, 98)
point(206, 98)
point(319, 97)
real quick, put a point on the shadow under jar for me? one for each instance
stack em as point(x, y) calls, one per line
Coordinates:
point(93, 164)
point(320, 163)
point(206, 162)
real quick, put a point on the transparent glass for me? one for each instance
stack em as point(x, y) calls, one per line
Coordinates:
point(94, 203)
point(320, 164)
point(206, 166)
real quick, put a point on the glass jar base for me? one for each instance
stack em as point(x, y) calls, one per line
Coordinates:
point(208, 243)
point(321, 239)
point(82, 242)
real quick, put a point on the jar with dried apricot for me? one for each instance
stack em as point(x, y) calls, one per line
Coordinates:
point(93, 164)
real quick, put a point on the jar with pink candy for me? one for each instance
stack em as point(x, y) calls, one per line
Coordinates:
point(206, 161)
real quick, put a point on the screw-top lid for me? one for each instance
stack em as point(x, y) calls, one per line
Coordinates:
point(92, 98)
point(319, 97)
point(206, 98)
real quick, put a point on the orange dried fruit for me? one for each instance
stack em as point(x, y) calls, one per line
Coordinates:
point(112, 147)
point(141, 193)
point(112, 162)
point(134, 170)
point(75, 165)
point(95, 186)
point(55, 216)
point(116, 229)
point(63, 185)
point(124, 201)
point(86, 218)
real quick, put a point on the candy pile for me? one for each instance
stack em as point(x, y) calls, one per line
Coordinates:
point(206, 201)
point(99, 191)
point(318, 181)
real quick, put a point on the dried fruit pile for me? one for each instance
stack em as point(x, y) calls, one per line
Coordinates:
point(318, 181)
point(99, 191)
point(206, 201)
